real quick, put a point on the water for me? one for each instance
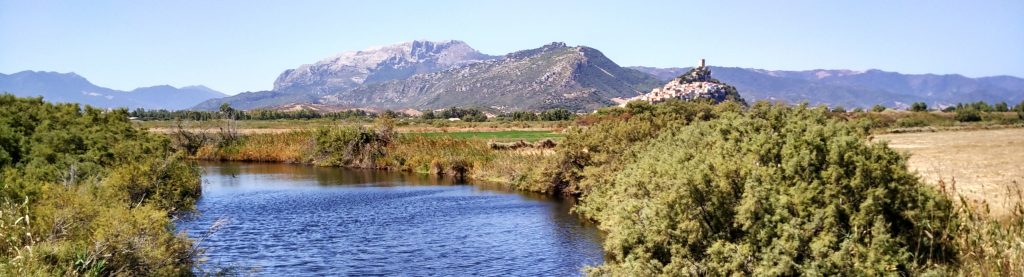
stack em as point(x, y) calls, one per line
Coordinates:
point(279, 219)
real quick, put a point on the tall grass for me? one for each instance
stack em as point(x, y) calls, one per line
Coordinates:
point(987, 245)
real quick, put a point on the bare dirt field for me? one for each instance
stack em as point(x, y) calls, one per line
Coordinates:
point(987, 165)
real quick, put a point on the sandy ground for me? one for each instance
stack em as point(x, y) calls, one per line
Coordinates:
point(987, 165)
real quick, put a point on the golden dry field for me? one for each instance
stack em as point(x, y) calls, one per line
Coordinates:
point(987, 165)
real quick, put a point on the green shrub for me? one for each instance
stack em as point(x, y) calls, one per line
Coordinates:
point(967, 115)
point(773, 191)
point(605, 136)
point(86, 193)
point(919, 107)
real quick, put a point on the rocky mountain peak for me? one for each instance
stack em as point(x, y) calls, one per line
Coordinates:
point(377, 64)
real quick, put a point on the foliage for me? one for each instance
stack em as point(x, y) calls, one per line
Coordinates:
point(85, 193)
point(547, 115)
point(1001, 107)
point(878, 108)
point(967, 114)
point(494, 135)
point(600, 143)
point(771, 191)
point(259, 114)
point(1020, 110)
point(353, 146)
point(470, 115)
point(919, 107)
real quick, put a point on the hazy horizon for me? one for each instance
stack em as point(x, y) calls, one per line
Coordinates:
point(235, 46)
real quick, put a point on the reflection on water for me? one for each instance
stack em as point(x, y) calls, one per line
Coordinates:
point(300, 220)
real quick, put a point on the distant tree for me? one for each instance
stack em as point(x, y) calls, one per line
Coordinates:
point(858, 110)
point(839, 109)
point(555, 115)
point(919, 107)
point(981, 106)
point(1020, 110)
point(227, 111)
point(967, 114)
point(389, 114)
point(1001, 107)
point(878, 108)
point(949, 109)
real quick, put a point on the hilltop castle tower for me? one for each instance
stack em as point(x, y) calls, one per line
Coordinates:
point(701, 62)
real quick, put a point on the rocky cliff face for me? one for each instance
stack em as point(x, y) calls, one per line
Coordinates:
point(351, 69)
point(696, 83)
point(553, 76)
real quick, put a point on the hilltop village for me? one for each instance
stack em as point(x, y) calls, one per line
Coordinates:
point(694, 84)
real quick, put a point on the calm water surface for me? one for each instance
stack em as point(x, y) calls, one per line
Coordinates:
point(278, 219)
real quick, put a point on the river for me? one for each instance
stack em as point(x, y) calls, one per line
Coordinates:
point(280, 219)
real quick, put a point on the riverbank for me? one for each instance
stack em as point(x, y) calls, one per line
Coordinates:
point(383, 149)
point(633, 158)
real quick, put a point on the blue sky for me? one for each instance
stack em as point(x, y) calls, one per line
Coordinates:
point(235, 46)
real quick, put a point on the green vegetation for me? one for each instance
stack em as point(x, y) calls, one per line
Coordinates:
point(494, 135)
point(691, 189)
point(227, 112)
point(919, 107)
point(86, 193)
point(770, 191)
point(694, 188)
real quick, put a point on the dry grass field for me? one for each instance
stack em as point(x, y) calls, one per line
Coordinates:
point(987, 165)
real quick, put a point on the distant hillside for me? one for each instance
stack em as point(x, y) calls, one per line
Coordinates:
point(444, 74)
point(861, 89)
point(553, 76)
point(72, 88)
point(374, 65)
point(349, 70)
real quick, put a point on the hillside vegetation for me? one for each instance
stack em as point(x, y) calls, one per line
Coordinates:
point(83, 192)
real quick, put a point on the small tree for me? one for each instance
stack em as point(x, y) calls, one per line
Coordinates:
point(878, 108)
point(967, 115)
point(918, 107)
point(227, 111)
point(1001, 107)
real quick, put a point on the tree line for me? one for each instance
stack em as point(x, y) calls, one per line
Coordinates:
point(463, 114)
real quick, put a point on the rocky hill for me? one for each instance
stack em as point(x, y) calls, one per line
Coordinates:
point(861, 88)
point(72, 88)
point(374, 65)
point(696, 83)
point(426, 75)
point(553, 76)
point(348, 70)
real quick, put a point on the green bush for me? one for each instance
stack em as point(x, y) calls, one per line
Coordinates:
point(86, 193)
point(604, 137)
point(772, 191)
point(967, 115)
point(919, 107)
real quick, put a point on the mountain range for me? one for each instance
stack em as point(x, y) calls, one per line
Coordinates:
point(432, 75)
point(72, 88)
point(860, 88)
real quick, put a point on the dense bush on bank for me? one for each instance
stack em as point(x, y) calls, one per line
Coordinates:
point(689, 189)
point(83, 192)
point(771, 191)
